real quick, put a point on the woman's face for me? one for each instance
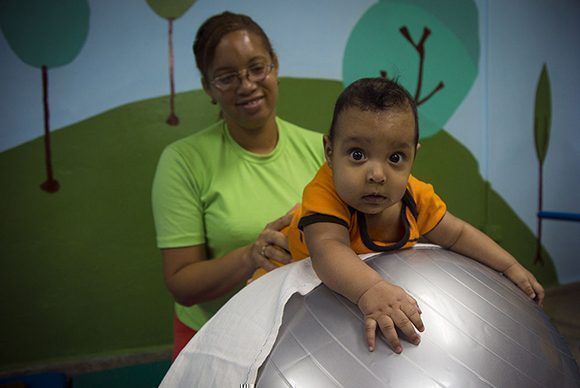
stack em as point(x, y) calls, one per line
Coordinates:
point(246, 105)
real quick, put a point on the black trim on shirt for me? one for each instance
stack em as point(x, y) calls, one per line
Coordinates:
point(411, 204)
point(407, 202)
point(437, 224)
point(317, 217)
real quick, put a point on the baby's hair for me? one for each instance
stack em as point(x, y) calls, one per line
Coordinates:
point(374, 95)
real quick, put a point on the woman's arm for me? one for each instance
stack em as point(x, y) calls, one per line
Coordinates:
point(382, 303)
point(459, 236)
point(192, 279)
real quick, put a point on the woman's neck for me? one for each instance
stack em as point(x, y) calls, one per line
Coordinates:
point(259, 140)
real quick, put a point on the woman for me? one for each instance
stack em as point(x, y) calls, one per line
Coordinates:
point(215, 190)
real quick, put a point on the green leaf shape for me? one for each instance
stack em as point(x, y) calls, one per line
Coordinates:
point(170, 9)
point(45, 32)
point(543, 115)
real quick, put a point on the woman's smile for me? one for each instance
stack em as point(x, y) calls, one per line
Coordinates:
point(252, 105)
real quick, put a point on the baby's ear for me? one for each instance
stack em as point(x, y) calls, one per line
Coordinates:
point(327, 149)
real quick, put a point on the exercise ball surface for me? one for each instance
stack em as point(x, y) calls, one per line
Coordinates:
point(480, 331)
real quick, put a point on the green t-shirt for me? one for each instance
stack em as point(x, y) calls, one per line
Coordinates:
point(209, 190)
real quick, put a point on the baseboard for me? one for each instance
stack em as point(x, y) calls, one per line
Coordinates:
point(72, 367)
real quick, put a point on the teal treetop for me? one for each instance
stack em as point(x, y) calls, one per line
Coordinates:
point(47, 33)
point(431, 47)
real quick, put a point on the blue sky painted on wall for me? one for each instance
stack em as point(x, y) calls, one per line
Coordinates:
point(126, 50)
point(125, 59)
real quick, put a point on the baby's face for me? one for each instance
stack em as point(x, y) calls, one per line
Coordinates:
point(371, 157)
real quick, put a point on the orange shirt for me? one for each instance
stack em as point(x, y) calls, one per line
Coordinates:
point(421, 211)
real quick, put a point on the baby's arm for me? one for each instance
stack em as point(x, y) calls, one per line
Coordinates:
point(381, 302)
point(459, 236)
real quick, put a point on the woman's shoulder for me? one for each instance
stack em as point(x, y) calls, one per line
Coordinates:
point(200, 141)
point(192, 157)
point(295, 130)
point(304, 142)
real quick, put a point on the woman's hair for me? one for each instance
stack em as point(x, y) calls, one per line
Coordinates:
point(374, 95)
point(215, 28)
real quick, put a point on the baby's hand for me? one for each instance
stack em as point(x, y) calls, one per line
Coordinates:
point(387, 306)
point(526, 282)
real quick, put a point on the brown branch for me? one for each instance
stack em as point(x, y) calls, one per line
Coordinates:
point(51, 185)
point(439, 86)
point(420, 48)
point(539, 259)
point(172, 119)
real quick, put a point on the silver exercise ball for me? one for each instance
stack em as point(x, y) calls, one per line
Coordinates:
point(480, 331)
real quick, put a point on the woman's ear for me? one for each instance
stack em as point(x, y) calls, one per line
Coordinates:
point(205, 85)
point(327, 143)
point(275, 69)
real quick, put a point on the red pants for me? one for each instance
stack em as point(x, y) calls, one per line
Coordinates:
point(181, 336)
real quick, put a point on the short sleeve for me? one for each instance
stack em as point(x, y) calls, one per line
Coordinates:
point(176, 200)
point(430, 207)
point(321, 203)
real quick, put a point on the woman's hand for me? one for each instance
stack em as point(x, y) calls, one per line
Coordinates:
point(388, 306)
point(272, 244)
point(526, 282)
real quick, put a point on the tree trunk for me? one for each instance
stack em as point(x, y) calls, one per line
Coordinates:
point(172, 119)
point(50, 185)
point(538, 259)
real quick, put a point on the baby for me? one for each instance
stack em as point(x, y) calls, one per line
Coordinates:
point(364, 199)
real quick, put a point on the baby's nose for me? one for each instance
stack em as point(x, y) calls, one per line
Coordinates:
point(376, 175)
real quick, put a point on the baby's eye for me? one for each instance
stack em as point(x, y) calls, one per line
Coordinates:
point(357, 154)
point(396, 158)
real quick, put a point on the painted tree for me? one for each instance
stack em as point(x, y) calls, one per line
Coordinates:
point(542, 124)
point(171, 10)
point(45, 34)
point(420, 48)
point(431, 47)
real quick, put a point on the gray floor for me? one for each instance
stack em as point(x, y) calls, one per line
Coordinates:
point(562, 304)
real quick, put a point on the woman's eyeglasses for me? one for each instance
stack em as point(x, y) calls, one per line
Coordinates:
point(254, 73)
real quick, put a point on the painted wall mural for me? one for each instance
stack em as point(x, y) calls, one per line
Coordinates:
point(45, 35)
point(433, 48)
point(171, 10)
point(542, 124)
point(86, 256)
point(427, 45)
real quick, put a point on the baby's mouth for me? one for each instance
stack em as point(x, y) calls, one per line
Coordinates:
point(374, 198)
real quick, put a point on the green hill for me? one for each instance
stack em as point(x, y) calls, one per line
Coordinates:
point(80, 272)
point(453, 171)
